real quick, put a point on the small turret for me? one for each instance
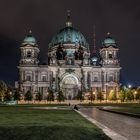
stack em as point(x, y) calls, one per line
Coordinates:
point(109, 41)
point(29, 51)
point(109, 52)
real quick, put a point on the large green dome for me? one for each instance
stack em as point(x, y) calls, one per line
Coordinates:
point(69, 35)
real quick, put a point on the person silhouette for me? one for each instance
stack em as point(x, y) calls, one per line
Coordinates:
point(75, 107)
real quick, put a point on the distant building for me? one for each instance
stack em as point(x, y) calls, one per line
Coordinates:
point(71, 66)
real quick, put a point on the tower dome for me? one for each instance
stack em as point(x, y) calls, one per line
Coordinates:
point(29, 39)
point(109, 41)
point(69, 35)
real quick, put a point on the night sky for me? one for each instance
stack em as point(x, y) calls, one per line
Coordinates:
point(46, 17)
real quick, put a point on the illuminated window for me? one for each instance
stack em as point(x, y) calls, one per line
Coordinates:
point(70, 80)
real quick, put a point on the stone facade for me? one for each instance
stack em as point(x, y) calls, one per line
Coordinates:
point(71, 66)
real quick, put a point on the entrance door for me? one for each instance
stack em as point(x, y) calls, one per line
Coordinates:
point(70, 86)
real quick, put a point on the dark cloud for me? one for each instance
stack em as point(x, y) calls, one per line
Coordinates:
point(46, 17)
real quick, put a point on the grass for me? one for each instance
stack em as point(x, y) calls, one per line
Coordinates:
point(113, 104)
point(24, 123)
point(36, 105)
point(122, 107)
point(131, 109)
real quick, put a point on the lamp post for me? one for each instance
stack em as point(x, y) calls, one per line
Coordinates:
point(10, 94)
point(135, 93)
point(94, 95)
point(11, 98)
point(129, 86)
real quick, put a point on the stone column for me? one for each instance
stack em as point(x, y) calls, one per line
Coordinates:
point(106, 57)
point(85, 79)
point(106, 86)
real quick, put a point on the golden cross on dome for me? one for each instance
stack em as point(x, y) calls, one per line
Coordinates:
point(68, 15)
point(30, 31)
point(108, 33)
point(94, 37)
point(68, 22)
point(68, 12)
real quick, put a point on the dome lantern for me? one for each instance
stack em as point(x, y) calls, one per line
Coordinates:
point(109, 41)
point(68, 22)
point(29, 39)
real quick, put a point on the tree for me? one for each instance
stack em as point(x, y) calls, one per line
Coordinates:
point(3, 89)
point(122, 95)
point(38, 96)
point(8, 95)
point(28, 96)
point(10, 88)
point(16, 95)
point(80, 96)
point(91, 96)
point(138, 94)
point(50, 96)
point(112, 95)
point(129, 95)
point(60, 96)
point(100, 96)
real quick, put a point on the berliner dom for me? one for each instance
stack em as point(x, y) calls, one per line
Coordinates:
point(72, 65)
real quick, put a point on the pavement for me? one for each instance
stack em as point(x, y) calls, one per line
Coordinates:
point(116, 126)
point(53, 108)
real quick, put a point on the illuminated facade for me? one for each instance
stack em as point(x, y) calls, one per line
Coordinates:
point(71, 66)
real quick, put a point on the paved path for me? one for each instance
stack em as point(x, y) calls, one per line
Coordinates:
point(128, 127)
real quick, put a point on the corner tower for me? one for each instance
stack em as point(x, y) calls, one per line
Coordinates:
point(29, 51)
point(28, 65)
point(109, 52)
point(110, 66)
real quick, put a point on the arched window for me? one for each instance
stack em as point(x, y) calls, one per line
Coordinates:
point(28, 78)
point(110, 78)
point(44, 79)
point(110, 55)
point(29, 54)
point(95, 79)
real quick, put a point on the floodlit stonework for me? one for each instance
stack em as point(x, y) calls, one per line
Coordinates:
point(71, 67)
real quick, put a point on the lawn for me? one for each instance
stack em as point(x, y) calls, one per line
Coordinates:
point(128, 109)
point(25, 123)
point(123, 107)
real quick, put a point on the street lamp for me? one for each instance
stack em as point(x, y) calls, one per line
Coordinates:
point(135, 94)
point(129, 86)
point(10, 95)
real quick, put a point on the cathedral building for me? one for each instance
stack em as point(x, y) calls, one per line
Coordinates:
point(71, 67)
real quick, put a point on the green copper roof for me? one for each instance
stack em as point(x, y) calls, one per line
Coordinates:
point(29, 40)
point(69, 35)
point(109, 41)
